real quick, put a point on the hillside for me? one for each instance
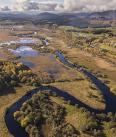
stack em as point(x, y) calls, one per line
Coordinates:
point(82, 20)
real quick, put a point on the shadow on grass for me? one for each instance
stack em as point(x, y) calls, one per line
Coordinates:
point(14, 127)
point(6, 91)
point(110, 98)
point(72, 99)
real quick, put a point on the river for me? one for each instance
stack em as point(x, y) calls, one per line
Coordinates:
point(17, 131)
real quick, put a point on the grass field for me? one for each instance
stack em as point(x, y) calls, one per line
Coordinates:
point(82, 91)
point(6, 36)
point(48, 64)
point(81, 119)
point(66, 79)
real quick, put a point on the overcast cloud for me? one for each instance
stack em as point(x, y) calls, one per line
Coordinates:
point(60, 5)
point(87, 5)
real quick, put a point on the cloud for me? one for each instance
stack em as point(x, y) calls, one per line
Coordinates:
point(28, 5)
point(25, 5)
point(47, 7)
point(87, 5)
point(64, 6)
point(5, 8)
point(31, 5)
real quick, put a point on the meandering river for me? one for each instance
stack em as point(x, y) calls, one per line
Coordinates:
point(17, 131)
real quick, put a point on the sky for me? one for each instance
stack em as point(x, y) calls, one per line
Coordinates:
point(58, 5)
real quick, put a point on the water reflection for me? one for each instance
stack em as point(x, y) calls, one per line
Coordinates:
point(24, 51)
point(21, 41)
point(28, 63)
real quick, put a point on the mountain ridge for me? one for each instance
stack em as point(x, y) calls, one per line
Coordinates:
point(99, 19)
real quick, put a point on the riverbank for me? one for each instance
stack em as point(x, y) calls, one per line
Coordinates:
point(15, 129)
point(110, 98)
point(7, 100)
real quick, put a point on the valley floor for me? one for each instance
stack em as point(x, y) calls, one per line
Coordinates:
point(66, 79)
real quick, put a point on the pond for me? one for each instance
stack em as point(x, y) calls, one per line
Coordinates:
point(28, 63)
point(24, 51)
point(28, 41)
point(21, 41)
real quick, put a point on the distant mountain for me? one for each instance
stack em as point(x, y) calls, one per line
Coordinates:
point(47, 15)
point(96, 19)
point(104, 15)
point(14, 16)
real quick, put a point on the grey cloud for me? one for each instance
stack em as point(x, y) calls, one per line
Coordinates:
point(31, 5)
point(5, 8)
point(47, 7)
point(87, 5)
point(66, 6)
point(25, 5)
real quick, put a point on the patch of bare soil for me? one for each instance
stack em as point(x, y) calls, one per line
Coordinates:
point(46, 128)
point(5, 36)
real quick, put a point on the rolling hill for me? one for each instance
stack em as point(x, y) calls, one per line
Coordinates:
point(82, 20)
